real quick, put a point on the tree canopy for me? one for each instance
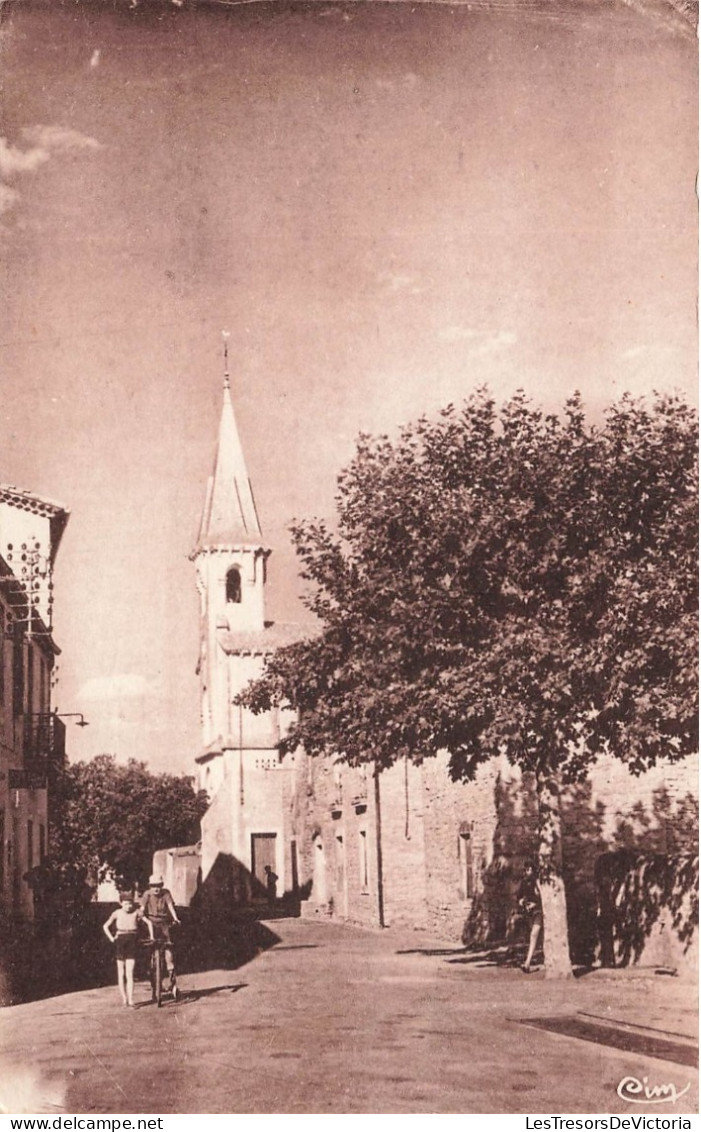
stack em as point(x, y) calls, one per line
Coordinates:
point(109, 819)
point(504, 581)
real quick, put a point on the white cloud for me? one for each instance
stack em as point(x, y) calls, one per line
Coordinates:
point(14, 160)
point(41, 141)
point(409, 79)
point(122, 685)
point(483, 341)
point(397, 281)
point(458, 334)
point(646, 351)
point(491, 344)
point(60, 138)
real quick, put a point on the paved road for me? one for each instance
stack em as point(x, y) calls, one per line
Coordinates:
point(334, 1019)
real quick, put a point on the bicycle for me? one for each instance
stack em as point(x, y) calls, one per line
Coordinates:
point(156, 972)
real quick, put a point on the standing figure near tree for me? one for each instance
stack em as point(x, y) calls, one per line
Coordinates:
point(121, 929)
point(529, 902)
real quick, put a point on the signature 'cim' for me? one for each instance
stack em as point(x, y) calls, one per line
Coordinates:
point(639, 1092)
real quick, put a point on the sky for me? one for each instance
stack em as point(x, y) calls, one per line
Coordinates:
point(386, 205)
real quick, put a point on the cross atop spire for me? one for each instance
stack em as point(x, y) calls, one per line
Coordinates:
point(225, 335)
point(230, 517)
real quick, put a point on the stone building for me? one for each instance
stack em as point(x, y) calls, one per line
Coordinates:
point(410, 847)
point(31, 736)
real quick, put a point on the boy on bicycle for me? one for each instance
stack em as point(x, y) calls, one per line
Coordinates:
point(159, 911)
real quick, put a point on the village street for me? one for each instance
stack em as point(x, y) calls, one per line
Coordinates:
point(335, 1019)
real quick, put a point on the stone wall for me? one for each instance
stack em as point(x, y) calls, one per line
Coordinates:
point(648, 910)
point(217, 844)
point(335, 830)
point(477, 836)
point(181, 871)
point(451, 854)
point(403, 846)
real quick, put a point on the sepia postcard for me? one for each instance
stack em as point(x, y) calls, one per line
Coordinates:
point(349, 348)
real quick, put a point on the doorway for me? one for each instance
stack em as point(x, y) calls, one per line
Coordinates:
point(319, 893)
point(263, 853)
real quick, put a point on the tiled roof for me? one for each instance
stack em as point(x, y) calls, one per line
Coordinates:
point(27, 501)
point(185, 850)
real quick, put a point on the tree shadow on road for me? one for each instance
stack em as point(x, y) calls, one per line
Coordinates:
point(506, 956)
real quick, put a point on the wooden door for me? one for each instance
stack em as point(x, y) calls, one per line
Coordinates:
point(263, 852)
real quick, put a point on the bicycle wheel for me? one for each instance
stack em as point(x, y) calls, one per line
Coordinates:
point(152, 973)
point(157, 976)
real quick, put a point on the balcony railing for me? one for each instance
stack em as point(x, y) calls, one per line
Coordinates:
point(44, 742)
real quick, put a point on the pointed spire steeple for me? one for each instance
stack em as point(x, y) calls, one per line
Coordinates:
point(230, 516)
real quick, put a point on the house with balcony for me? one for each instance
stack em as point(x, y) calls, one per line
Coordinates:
point(32, 737)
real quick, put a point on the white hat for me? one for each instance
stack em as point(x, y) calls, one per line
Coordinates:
point(155, 879)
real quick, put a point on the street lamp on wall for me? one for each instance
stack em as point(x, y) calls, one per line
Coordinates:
point(77, 715)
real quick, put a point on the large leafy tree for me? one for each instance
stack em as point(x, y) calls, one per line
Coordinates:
point(506, 582)
point(109, 818)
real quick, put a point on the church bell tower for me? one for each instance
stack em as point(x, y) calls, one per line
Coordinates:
point(247, 833)
point(230, 557)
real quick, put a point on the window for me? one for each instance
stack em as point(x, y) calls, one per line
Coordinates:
point(17, 676)
point(363, 850)
point(43, 704)
point(267, 762)
point(465, 862)
point(42, 842)
point(340, 865)
point(319, 887)
point(30, 844)
point(3, 630)
point(233, 585)
point(31, 706)
point(294, 866)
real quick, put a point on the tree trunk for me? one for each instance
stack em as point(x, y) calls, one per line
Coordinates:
point(552, 889)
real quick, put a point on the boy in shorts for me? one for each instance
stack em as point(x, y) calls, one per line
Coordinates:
point(121, 929)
